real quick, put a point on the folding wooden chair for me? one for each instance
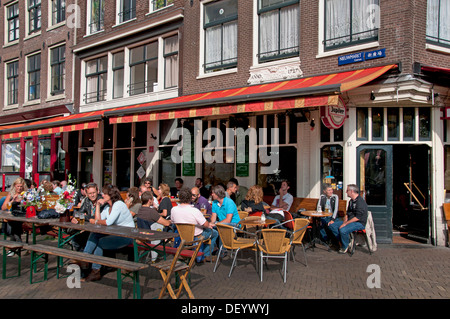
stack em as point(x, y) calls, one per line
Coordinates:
point(187, 231)
point(175, 266)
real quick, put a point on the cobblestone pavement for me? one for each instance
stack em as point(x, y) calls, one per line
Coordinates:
point(406, 271)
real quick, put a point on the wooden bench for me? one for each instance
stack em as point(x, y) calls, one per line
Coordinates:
point(309, 204)
point(187, 253)
point(129, 266)
point(18, 246)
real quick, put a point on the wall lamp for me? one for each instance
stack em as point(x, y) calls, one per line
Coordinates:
point(153, 136)
point(372, 96)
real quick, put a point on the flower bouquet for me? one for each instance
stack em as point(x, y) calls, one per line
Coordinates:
point(31, 201)
point(67, 198)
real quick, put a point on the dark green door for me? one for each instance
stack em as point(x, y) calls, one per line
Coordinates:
point(375, 181)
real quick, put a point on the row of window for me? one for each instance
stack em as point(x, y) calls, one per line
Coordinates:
point(33, 75)
point(57, 9)
point(125, 11)
point(143, 64)
point(345, 23)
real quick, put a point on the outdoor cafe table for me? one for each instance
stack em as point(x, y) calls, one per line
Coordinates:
point(315, 215)
point(140, 236)
point(257, 222)
point(34, 221)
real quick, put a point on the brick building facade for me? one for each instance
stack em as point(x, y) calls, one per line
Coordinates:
point(143, 68)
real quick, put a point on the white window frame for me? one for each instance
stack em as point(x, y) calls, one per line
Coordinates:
point(27, 88)
point(119, 5)
point(321, 29)
point(159, 91)
point(6, 33)
point(6, 105)
point(52, 25)
point(150, 6)
point(51, 97)
point(27, 22)
point(89, 19)
point(201, 71)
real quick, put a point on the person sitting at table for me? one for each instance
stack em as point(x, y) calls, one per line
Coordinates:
point(327, 201)
point(57, 187)
point(147, 214)
point(203, 190)
point(178, 185)
point(224, 210)
point(143, 189)
point(354, 220)
point(80, 195)
point(115, 212)
point(184, 213)
point(199, 201)
point(133, 201)
point(87, 207)
point(165, 206)
point(12, 202)
point(231, 190)
point(241, 192)
point(253, 202)
point(148, 183)
point(282, 202)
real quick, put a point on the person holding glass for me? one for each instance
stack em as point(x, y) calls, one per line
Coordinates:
point(328, 202)
point(200, 202)
point(12, 202)
point(115, 212)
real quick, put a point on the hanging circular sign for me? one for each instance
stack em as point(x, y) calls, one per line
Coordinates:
point(333, 116)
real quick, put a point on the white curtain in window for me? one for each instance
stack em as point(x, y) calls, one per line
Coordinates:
point(171, 71)
point(230, 42)
point(268, 39)
point(337, 21)
point(438, 19)
point(213, 46)
point(289, 27)
point(445, 20)
point(364, 17)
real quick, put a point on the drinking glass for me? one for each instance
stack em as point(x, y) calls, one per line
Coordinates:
point(81, 218)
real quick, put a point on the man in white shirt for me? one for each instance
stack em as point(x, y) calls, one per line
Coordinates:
point(185, 213)
point(282, 202)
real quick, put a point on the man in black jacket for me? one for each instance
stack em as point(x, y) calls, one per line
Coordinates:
point(87, 207)
point(354, 220)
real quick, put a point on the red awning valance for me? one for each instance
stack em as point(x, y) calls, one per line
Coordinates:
point(75, 122)
point(230, 109)
point(304, 92)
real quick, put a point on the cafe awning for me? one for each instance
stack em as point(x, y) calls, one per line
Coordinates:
point(59, 124)
point(298, 93)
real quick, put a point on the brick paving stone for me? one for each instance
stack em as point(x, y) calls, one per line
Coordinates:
point(407, 272)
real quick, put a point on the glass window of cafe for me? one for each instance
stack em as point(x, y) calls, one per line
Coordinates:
point(277, 151)
point(124, 154)
point(10, 162)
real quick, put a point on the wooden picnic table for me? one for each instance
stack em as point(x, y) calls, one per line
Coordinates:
point(141, 237)
point(36, 222)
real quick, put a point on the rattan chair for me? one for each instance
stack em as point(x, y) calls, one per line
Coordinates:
point(233, 243)
point(186, 232)
point(272, 243)
point(299, 231)
point(242, 214)
point(177, 266)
